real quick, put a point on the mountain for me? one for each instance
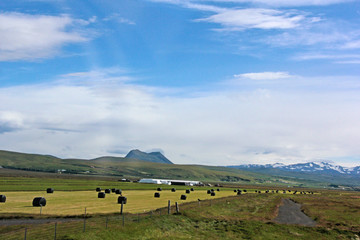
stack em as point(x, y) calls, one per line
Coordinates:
point(314, 167)
point(148, 157)
point(318, 171)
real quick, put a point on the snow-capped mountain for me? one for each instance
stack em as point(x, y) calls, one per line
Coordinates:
point(310, 167)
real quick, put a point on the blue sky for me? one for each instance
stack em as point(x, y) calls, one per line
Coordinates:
point(217, 82)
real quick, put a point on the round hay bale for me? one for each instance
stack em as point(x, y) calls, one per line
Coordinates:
point(235, 190)
point(218, 189)
point(157, 194)
point(187, 191)
point(122, 199)
point(244, 190)
point(98, 189)
point(259, 191)
point(50, 190)
point(192, 189)
point(118, 191)
point(183, 197)
point(239, 193)
point(2, 198)
point(159, 189)
point(113, 190)
point(107, 191)
point(101, 195)
point(39, 201)
point(208, 191)
point(212, 189)
point(212, 193)
point(173, 189)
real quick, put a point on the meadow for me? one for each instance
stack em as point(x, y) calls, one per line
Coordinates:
point(225, 216)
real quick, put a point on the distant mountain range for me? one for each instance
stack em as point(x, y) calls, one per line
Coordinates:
point(149, 157)
point(310, 167)
point(312, 171)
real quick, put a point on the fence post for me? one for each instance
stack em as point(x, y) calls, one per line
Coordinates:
point(84, 221)
point(123, 220)
point(177, 207)
point(25, 233)
point(199, 202)
point(122, 207)
point(40, 209)
point(55, 231)
point(169, 207)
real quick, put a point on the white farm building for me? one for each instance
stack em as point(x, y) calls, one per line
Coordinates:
point(170, 182)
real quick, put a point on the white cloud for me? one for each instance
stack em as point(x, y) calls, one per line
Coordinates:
point(239, 19)
point(264, 75)
point(30, 37)
point(275, 3)
point(282, 123)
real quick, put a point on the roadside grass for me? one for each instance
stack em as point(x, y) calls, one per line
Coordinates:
point(333, 209)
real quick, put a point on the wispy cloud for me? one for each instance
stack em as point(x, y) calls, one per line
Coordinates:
point(31, 37)
point(281, 3)
point(239, 19)
point(118, 18)
point(264, 75)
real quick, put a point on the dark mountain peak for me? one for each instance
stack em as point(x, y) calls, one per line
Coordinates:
point(157, 157)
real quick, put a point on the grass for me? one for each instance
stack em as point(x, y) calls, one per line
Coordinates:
point(223, 218)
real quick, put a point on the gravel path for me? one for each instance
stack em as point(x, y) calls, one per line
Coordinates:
point(290, 213)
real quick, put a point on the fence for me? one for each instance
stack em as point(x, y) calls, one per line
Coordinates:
point(61, 228)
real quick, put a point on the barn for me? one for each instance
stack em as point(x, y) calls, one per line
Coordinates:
point(170, 182)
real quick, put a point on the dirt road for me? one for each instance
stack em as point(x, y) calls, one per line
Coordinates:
point(290, 213)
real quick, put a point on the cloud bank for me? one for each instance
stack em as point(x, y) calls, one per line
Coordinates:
point(271, 122)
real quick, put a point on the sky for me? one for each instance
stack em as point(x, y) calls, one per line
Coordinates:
point(214, 82)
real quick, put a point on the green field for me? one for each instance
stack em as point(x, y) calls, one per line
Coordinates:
point(225, 216)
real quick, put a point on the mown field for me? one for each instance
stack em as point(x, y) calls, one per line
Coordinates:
point(72, 203)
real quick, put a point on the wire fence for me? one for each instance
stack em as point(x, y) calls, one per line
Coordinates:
point(61, 228)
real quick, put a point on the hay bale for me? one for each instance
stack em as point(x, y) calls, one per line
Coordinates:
point(235, 190)
point(101, 195)
point(157, 194)
point(50, 190)
point(187, 191)
point(2, 198)
point(107, 190)
point(98, 189)
point(122, 199)
point(39, 201)
point(159, 189)
point(218, 189)
point(173, 189)
point(118, 191)
point(192, 189)
point(244, 190)
point(239, 193)
point(183, 197)
point(208, 191)
point(212, 193)
point(113, 190)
